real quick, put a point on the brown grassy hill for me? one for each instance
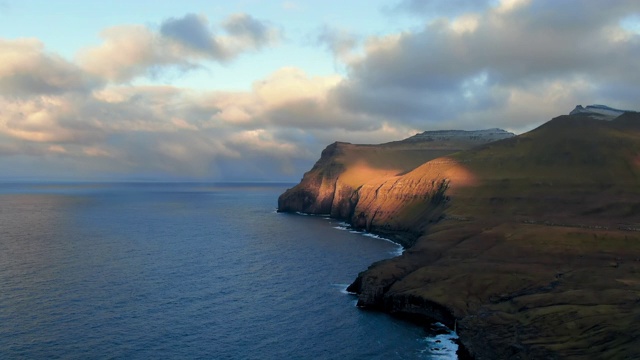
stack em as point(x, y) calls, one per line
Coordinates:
point(571, 166)
point(529, 244)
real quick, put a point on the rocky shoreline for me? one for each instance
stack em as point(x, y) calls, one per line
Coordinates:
point(492, 246)
point(371, 296)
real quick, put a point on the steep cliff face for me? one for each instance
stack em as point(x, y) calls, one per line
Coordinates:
point(315, 193)
point(405, 206)
point(334, 185)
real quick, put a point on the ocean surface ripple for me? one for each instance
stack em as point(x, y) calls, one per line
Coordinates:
point(153, 270)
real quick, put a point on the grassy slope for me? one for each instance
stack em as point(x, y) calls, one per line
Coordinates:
point(519, 286)
point(571, 166)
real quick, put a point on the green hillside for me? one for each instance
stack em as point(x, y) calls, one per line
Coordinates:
point(536, 253)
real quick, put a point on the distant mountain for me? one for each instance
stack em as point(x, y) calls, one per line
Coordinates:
point(600, 112)
point(479, 136)
point(529, 245)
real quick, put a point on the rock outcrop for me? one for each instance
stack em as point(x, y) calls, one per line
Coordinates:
point(529, 245)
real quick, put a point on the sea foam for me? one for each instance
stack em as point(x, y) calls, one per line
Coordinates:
point(347, 227)
point(442, 346)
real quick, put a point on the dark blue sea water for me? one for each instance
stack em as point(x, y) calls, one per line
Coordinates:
point(152, 270)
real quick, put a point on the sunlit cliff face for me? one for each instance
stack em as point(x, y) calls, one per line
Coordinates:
point(414, 198)
point(361, 172)
point(445, 168)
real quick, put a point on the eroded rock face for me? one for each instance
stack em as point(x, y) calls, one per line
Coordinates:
point(383, 205)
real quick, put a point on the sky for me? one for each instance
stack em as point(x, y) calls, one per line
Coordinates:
point(253, 90)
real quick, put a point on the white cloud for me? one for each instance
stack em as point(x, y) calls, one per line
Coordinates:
point(27, 69)
point(465, 64)
point(127, 52)
point(130, 51)
point(512, 64)
point(506, 6)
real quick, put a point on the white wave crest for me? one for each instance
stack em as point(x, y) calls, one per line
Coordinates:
point(344, 226)
point(442, 346)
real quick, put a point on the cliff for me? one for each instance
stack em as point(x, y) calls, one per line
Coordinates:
point(346, 176)
point(530, 245)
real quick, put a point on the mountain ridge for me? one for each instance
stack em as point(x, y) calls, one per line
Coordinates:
point(599, 112)
point(526, 244)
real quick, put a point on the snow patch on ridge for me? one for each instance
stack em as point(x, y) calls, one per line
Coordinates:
point(599, 112)
point(487, 135)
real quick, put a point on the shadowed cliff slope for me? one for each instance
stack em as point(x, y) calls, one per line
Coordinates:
point(530, 245)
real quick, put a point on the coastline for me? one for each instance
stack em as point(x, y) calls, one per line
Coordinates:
point(518, 245)
point(424, 313)
point(418, 311)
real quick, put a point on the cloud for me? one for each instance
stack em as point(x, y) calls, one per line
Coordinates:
point(292, 99)
point(27, 69)
point(156, 130)
point(440, 7)
point(512, 64)
point(469, 66)
point(341, 43)
point(130, 51)
point(193, 31)
point(285, 120)
point(246, 32)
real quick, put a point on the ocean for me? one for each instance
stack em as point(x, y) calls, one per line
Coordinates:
point(186, 271)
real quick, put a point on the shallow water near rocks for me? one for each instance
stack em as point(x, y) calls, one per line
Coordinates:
point(153, 270)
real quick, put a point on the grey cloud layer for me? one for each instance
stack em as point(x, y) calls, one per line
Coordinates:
point(510, 64)
point(193, 31)
point(483, 64)
point(244, 33)
point(255, 33)
point(130, 51)
point(28, 70)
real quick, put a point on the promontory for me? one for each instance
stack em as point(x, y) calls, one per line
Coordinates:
point(528, 245)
